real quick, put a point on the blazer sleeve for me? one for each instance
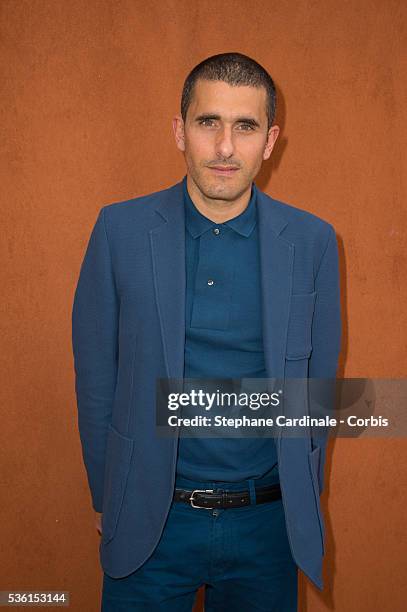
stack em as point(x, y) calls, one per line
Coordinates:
point(326, 341)
point(95, 314)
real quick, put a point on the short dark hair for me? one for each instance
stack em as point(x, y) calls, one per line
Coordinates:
point(234, 69)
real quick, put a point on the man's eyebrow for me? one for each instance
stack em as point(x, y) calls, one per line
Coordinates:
point(248, 120)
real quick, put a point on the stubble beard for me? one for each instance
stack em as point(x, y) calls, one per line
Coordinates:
point(217, 188)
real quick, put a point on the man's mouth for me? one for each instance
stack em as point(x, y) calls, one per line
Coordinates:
point(224, 170)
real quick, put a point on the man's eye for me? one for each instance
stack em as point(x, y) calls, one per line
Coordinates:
point(247, 127)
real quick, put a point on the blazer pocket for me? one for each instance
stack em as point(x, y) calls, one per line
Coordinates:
point(299, 338)
point(119, 451)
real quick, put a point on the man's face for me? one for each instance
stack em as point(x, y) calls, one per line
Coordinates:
point(225, 137)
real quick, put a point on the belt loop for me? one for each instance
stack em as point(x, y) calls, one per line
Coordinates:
point(252, 492)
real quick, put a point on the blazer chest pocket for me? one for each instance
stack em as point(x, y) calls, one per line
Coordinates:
point(299, 338)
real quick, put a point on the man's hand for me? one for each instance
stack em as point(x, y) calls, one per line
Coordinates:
point(98, 522)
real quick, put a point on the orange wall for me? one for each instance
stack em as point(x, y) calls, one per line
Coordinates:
point(90, 91)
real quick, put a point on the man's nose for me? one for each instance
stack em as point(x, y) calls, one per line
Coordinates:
point(224, 142)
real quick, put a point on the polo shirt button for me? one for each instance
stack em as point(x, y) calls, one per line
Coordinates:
point(210, 282)
point(216, 231)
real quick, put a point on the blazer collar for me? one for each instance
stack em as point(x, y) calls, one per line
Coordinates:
point(171, 207)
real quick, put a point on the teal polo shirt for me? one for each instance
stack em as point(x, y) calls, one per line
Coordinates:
point(223, 335)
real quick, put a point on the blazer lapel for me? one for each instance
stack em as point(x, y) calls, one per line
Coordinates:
point(276, 269)
point(167, 242)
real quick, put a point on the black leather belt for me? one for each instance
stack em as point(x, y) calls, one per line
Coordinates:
point(218, 498)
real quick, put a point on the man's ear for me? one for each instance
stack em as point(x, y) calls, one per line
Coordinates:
point(272, 135)
point(179, 133)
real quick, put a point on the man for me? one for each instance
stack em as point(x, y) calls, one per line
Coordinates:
point(210, 278)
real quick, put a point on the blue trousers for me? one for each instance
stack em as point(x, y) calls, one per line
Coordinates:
point(241, 555)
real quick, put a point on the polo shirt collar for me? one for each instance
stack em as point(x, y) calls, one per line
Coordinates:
point(197, 223)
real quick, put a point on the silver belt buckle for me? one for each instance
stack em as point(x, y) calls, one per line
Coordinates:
point(191, 499)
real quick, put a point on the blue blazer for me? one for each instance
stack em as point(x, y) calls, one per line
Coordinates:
point(128, 329)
